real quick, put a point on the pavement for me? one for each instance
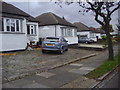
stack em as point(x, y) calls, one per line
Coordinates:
point(67, 76)
point(100, 46)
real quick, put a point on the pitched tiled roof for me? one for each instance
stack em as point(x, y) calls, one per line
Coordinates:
point(81, 27)
point(52, 19)
point(97, 30)
point(12, 11)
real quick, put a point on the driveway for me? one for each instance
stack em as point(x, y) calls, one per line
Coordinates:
point(20, 63)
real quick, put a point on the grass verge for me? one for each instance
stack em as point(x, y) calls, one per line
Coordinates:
point(104, 68)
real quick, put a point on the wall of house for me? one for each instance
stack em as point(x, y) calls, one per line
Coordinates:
point(99, 35)
point(13, 42)
point(45, 31)
point(88, 34)
point(71, 39)
point(55, 30)
point(34, 38)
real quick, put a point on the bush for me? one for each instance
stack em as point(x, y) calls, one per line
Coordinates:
point(104, 37)
point(114, 41)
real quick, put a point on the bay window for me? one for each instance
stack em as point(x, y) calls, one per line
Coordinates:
point(12, 25)
point(31, 29)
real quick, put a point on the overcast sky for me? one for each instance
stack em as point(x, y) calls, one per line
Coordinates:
point(70, 12)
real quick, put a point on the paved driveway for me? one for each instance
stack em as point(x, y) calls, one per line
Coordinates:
point(33, 61)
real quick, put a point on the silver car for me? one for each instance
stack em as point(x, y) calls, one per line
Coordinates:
point(55, 44)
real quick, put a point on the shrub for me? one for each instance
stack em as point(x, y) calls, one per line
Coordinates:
point(114, 41)
point(104, 37)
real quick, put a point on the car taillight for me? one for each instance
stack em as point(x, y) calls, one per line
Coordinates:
point(59, 41)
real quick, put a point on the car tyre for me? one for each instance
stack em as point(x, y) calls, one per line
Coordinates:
point(61, 51)
point(43, 51)
point(66, 49)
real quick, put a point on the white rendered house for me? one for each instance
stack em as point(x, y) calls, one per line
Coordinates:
point(52, 25)
point(84, 31)
point(13, 34)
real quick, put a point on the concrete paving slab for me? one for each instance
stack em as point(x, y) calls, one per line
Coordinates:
point(76, 64)
point(35, 85)
point(44, 81)
point(65, 77)
point(87, 68)
point(63, 69)
point(46, 74)
point(78, 71)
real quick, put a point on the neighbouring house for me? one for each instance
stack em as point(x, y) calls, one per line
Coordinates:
point(84, 31)
point(52, 25)
point(18, 28)
point(99, 32)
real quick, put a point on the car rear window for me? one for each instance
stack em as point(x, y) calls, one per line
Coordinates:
point(52, 39)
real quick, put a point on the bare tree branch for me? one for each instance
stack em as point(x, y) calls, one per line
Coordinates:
point(96, 18)
point(115, 8)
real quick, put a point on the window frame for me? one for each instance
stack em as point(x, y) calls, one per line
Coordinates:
point(67, 32)
point(10, 25)
point(32, 29)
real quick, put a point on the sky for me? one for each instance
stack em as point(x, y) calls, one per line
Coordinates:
point(70, 12)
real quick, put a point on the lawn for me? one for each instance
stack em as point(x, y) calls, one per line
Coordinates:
point(104, 68)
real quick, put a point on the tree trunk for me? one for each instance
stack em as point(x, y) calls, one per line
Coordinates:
point(109, 41)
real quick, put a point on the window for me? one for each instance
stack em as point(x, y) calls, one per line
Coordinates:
point(75, 33)
point(31, 29)
point(69, 32)
point(2, 28)
point(28, 29)
point(66, 31)
point(92, 35)
point(8, 24)
point(17, 25)
point(12, 25)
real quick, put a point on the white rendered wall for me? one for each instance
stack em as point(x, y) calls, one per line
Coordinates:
point(99, 35)
point(55, 30)
point(87, 33)
point(46, 31)
point(13, 42)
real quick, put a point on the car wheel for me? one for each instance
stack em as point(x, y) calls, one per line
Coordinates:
point(61, 51)
point(66, 49)
point(43, 51)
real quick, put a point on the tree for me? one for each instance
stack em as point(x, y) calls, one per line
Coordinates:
point(102, 14)
point(111, 28)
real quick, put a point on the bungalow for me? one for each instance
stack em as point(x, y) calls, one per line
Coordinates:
point(99, 32)
point(84, 31)
point(18, 28)
point(52, 25)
